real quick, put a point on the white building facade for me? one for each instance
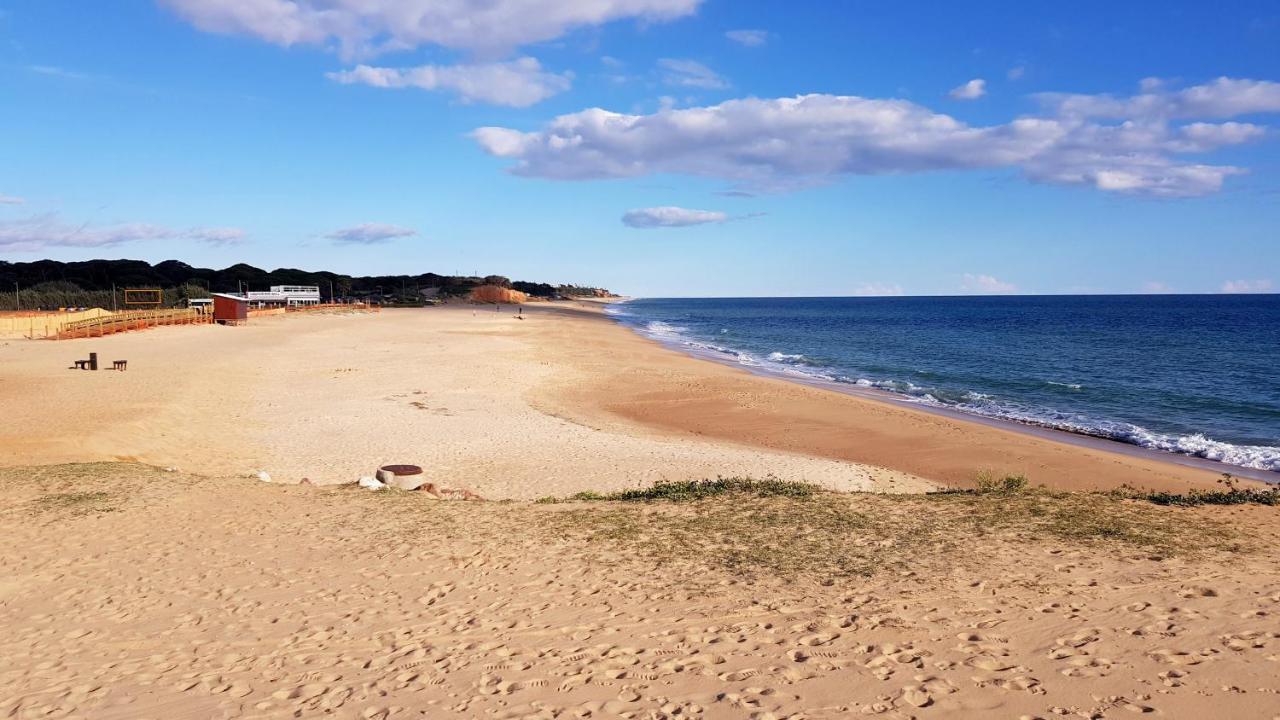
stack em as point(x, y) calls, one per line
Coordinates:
point(288, 295)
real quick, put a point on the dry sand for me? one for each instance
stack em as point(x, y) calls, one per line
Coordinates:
point(131, 593)
point(561, 401)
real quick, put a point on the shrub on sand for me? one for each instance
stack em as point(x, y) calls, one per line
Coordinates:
point(690, 490)
point(988, 484)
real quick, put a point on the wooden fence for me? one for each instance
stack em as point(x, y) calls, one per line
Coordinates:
point(142, 319)
point(40, 324)
point(131, 320)
point(335, 307)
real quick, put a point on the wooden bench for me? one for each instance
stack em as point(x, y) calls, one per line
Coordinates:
point(82, 364)
point(119, 364)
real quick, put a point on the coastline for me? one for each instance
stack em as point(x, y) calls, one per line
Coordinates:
point(563, 401)
point(1046, 432)
point(739, 404)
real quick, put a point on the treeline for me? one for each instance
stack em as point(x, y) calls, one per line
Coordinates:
point(51, 284)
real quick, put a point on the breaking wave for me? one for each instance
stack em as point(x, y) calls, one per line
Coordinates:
point(795, 365)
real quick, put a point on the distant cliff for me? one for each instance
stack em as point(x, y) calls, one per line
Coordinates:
point(89, 283)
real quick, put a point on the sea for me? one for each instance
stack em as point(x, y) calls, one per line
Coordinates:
point(1193, 375)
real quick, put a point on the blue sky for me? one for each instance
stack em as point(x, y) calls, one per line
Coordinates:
point(657, 147)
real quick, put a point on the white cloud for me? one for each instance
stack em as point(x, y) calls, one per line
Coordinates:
point(1221, 98)
point(518, 83)
point(1016, 72)
point(1247, 286)
point(669, 216)
point(1155, 287)
point(367, 27)
point(54, 71)
point(690, 73)
point(10, 200)
point(37, 232)
point(370, 233)
point(875, 289)
point(748, 38)
point(971, 90)
point(798, 141)
point(217, 235)
point(986, 285)
point(47, 231)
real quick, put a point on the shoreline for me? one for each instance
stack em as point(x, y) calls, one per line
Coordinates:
point(1046, 432)
point(915, 439)
point(563, 400)
point(1042, 431)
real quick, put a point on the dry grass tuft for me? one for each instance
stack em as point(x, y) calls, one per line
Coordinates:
point(738, 526)
point(75, 503)
point(837, 535)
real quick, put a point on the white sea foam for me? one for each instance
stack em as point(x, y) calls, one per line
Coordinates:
point(1258, 457)
point(788, 359)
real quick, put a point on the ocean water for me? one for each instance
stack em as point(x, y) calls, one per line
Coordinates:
point(1197, 375)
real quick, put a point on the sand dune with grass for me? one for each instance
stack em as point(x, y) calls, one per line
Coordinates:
point(130, 592)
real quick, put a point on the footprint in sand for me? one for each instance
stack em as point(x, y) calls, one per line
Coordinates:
point(1176, 657)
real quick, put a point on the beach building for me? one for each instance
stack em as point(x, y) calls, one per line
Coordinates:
point(230, 309)
point(286, 295)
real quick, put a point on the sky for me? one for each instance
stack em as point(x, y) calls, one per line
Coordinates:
point(662, 148)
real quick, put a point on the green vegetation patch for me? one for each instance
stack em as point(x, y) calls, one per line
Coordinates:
point(76, 503)
point(692, 490)
point(1230, 494)
point(792, 529)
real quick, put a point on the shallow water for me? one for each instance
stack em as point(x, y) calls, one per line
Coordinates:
point(1197, 375)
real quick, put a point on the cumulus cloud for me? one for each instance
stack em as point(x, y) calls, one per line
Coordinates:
point(1235, 287)
point(875, 289)
point(971, 90)
point(45, 231)
point(518, 83)
point(1016, 72)
point(10, 200)
point(364, 28)
point(690, 73)
point(986, 285)
point(670, 216)
point(760, 143)
point(748, 38)
point(370, 234)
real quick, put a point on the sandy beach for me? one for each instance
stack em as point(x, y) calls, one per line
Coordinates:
point(561, 401)
point(147, 573)
point(134, 593)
